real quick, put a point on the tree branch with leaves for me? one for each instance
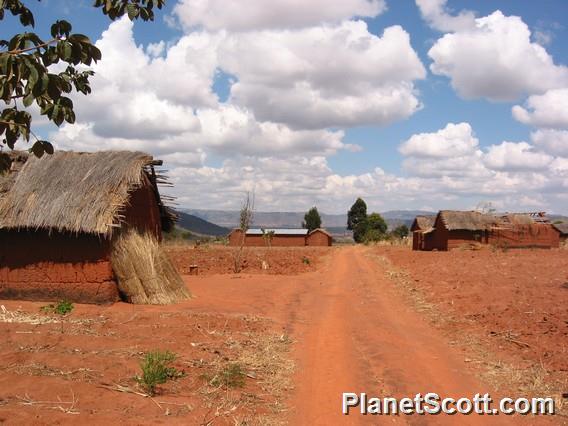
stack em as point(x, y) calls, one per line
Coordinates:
point(26, 78)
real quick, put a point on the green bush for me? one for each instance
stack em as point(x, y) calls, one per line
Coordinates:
point(232, 376)
point(62, 307)
point(156, 369)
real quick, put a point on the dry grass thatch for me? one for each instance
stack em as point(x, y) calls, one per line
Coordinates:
point(477, 221)
point(423, 223)
point(70, 191)
point(144, 273)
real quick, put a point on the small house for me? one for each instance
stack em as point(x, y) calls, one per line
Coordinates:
point(280, 237)
point(562, 229)
point(421, 228)
point(84, 227)
point(453, 229)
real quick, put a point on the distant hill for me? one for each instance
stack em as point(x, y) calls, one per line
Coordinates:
point(334, 223)
point(200, 226)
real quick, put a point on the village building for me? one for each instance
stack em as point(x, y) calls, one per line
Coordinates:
point(562, 229)
point(280, 237)
point(456, 229)
point(68, 226)
point(421, 227)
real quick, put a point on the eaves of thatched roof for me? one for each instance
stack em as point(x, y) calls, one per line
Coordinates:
point(562, 227)
point(423, 223)
point(71, 191)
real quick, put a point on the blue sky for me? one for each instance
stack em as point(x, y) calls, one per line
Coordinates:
point(213, 163)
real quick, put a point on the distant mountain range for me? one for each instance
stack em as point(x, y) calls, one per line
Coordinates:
point(199, 226)
point(335, 223)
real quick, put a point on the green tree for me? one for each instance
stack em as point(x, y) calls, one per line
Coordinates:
point(375, 228)
point(400, 232)
point(26, 59)
point(356, 214)
point(312, 219)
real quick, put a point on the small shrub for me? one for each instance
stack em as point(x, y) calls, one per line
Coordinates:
point(62, 307)
point(232, 376)
point(156, 369)
point(305, 260)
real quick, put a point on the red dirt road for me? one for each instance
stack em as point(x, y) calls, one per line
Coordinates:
point(353, 333)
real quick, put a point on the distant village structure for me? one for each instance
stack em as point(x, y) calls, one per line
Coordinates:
point(453, 229)
point(61, 216)
point(281, 238)
point(562, 229)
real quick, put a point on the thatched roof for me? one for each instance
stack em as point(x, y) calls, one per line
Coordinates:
point(467, 220)
point(422, 223)
point(477, 221)
point(72, 191)
point(562, 227)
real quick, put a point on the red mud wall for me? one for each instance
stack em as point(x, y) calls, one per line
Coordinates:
point(143, 212)
point(39, 266)
point(259, 241)
point(318, 238)
point(535, 235)
point(458, 238)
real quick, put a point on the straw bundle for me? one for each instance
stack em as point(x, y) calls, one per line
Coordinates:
point(143, 271)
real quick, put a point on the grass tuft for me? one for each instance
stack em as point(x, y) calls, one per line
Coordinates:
point(156, 369)
point(62, 307)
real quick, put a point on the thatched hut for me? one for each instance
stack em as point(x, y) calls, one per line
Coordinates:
point(84, 227)
point(453, 229)
point(421, 228)
point(562, 229)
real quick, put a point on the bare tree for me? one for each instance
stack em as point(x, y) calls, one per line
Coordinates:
point(245, 221)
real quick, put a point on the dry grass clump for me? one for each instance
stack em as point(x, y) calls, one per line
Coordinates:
point(144, 273)
point(263, 361)
point(24, 317)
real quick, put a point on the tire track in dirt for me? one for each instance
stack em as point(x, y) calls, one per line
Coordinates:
point(356, 334)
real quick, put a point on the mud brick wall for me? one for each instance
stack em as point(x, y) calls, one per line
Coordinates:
point(40, 266)
point(258, 241)
point(538, 235)
point(318, 239)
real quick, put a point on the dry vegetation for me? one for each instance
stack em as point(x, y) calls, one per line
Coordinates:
point(85, 365)
point(515, 355)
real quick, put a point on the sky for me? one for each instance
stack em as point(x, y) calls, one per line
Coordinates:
point(425, 104)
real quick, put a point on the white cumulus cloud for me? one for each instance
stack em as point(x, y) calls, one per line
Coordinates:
point(551, 141)
point(235, 15)
point(547, 110)
point(439, 17)
point(454, 140)
point(496, 60)
point(515, 156)
point(324, 76)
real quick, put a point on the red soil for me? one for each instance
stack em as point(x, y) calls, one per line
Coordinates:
point(217, 259)
point(515, 302)
point(353, 331)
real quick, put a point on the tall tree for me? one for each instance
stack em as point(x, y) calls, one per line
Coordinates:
point(356, 214)
point(312, 219)
point(25, 61)
point(373, 228)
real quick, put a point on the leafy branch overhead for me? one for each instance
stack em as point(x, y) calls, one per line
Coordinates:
point(45, 71)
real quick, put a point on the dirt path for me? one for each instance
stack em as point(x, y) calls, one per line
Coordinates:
point(355, 334)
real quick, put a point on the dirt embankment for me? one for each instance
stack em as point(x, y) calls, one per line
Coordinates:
point(216, 259)
point(514, 303)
